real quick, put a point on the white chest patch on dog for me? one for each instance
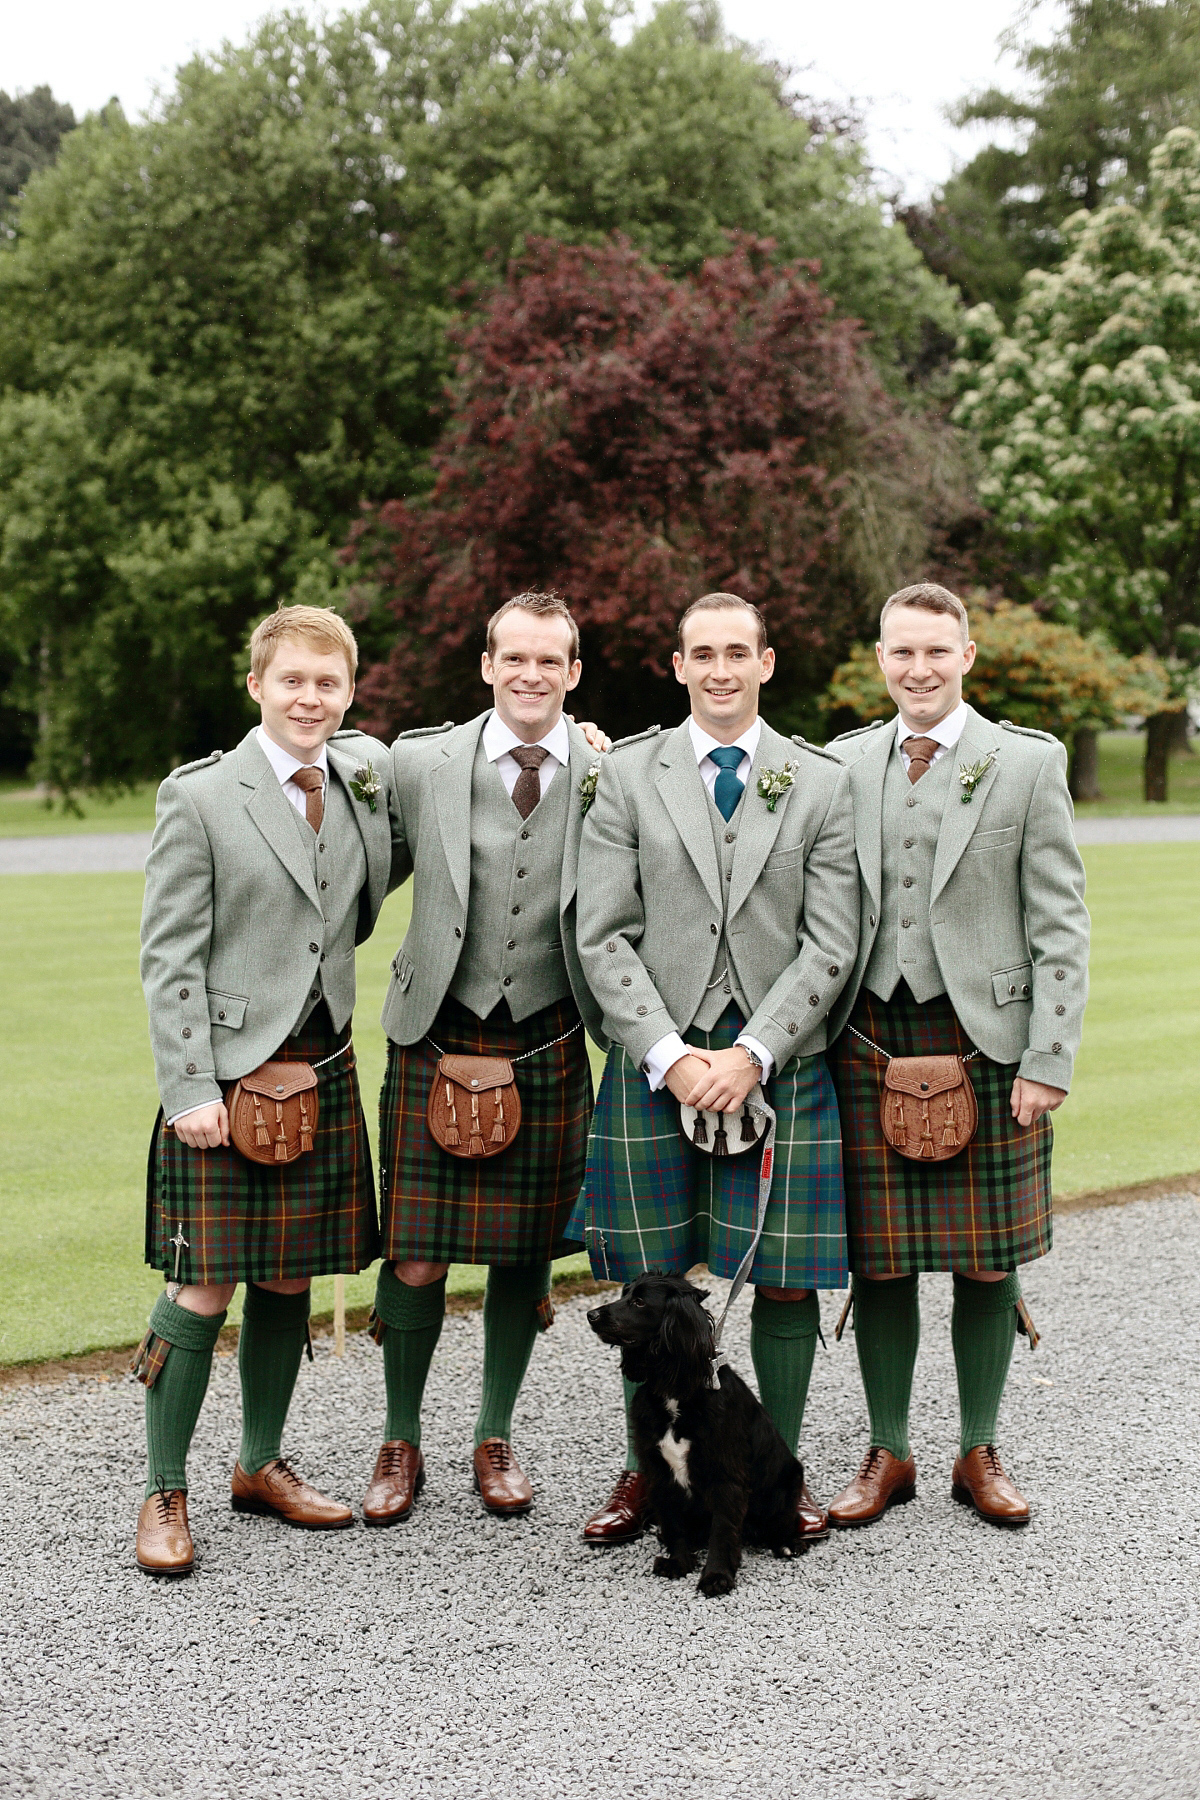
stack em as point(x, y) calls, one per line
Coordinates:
point(675, 1450)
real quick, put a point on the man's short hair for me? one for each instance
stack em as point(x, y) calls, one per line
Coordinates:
point(927, 596)
point(726, 603)
point(547, 606)
point(318, 626)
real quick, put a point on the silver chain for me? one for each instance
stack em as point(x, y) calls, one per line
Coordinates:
point(887, 1055)
point(512, 1059)
point(334, 1057)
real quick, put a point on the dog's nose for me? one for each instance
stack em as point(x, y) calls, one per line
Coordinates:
point(593, 1317)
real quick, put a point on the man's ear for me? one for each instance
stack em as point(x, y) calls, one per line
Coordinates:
point(486, 669)
point(768, 664)
point(969, 657)
point(677, 665)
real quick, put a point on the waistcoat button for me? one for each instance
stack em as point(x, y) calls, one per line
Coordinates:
point(458, 929)
point(315, 948)
point(730, 836)
point(324, 885)
point(183, 993)
point(908, 881)
point(872, 918)
point(512, 943)
point(516, 909)
point(911, 801)
point(508, 981)
point(905, 923)
point(713, 929)
point(524, 834)
point(187, 1031)
point(909, 842)
point(1060, 1010)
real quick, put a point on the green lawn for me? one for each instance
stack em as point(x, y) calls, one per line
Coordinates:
point(1120, 770)
point(78, 1083)
point(24, 814)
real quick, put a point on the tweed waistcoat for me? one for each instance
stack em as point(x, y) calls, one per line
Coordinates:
point(339, 871)
point(912, 819)
point(512, 948)
point(723, 986)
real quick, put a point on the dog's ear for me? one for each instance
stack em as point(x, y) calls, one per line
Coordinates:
point(683, 1348)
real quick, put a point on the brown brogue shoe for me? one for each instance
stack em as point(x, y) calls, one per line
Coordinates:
point(812, 1521)
point(622, 1518)
point(164, 1538)
point(979, 1480)
point(882, 1481)
point(398, 1479)
point(278, 1490)
point(500, 1481)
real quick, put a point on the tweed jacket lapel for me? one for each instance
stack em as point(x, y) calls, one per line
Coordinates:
point(959, 821)
point(450, 783)
point(374, 828)
point(760, 826)
point(681, 786)
point(582, 758)
point(867, 776)
point(272, 812)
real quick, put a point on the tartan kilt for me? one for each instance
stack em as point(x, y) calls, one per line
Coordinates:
point(650, 1200)
point(247, 1221)
point(987, 1208)
point(509, 1209)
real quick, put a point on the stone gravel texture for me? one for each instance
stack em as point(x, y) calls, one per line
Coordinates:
point(460, 1656)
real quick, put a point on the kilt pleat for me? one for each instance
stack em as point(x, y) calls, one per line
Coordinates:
point(650, 1200)
point(987, 1208)
point(247, 1221)
point(509, 1209)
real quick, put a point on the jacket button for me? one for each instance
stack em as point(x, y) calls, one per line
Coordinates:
point(1060, 1010)
point(909, 842)
point(641, 1012)
point(315, 948)
point(1024, 987)
point(221, 1014)
point(814, 1000)
point(911, 801)
point(908, 881)
point(1012, 989)
point(321, 848)
point(610, 946)
point(187, 1031)
point(1060, 974)
point(516, 909)
point(512, 943)
point(183, 993)
point(730, 837)
point(508, 981)
point(458, 929)
point(1056, 1047)
point(520, 874)
point(872, 918)
point(191, 1068)
point(524, 834)
point(627, 981)
point(905, 923)
point(322, 956)
point(713, 929)
point(833, 969)
point(793, 1028)
point(316, 994)
point(324, 885)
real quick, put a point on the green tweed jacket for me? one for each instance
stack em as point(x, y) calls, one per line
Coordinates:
point(430, 773)
point(650, 899)
point(1009, 926)
point(234, 926)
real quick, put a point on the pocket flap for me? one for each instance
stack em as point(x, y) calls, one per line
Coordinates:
point(475, 1073)
point(280, 1080)
point(226, 1009)
point(1013, 984)
point(923, 1075)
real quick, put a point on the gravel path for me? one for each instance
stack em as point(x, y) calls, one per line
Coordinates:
point(467, 1659)
point(1172, 828)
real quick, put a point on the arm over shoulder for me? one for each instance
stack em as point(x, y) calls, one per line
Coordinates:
point(1056, 923)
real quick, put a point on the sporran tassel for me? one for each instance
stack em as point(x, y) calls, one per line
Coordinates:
point(281, 1140)
point(261, 1135)
point(305, 1128)
point(452, 1136)
point(748, 1132)
point(700, 1130)
point(950, 1133)
point(720, 1141)
point(926, 1134)
point(899, 1135)
point(498, 1124)
point(475, 1142)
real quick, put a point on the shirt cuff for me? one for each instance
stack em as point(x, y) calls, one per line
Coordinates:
point(760, 1050)
point(662, 1056)
point(189, 1109)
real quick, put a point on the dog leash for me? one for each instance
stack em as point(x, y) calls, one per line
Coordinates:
point(766, 1111)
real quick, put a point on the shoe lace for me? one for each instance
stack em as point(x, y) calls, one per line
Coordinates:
point(869, 1461)
point(391, 1458)
point(626, 1480)
point(990, 1459)
point(284, 1468)
point(499, 1454)
point(166, 1498)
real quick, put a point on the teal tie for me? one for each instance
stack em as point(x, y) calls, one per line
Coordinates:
point(728, 789)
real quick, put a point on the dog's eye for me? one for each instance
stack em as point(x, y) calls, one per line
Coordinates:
point(636, 1302)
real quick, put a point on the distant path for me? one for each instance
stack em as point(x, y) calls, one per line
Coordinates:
point(1172, 828)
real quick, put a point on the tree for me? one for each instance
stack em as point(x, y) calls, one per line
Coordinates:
point(222, 329)
point(634, 441)
point(1088, 416)
point(31, 128)
point(1026, 669)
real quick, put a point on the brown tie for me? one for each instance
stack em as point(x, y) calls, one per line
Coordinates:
point(921, 752)
point(312, 780)
point(528, 790)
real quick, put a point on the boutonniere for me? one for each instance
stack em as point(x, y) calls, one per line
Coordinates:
point(773, 784)
point(587, 788)
point(971, 774)
point(364, 785)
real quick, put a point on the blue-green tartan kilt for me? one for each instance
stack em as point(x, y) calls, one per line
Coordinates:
point(987, 1208)
point(509, 1209)
point(650, 1200)
point(247, 1221)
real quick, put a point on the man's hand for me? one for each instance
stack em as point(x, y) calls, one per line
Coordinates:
point(599, 740)
point(205, 1128)
point(723, 1086)
point(1031, 1100)
point(684, 1075)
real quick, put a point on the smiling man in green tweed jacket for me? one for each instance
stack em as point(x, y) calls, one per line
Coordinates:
point(268, 866)
point(973, 942)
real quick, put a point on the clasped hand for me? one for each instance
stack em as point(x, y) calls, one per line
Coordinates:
point(713, 1080)
point(205, 1128)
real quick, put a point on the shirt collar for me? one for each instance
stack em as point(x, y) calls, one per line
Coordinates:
point(498, 740)
point(702, 743)
point(284, 763)
point(947, 731)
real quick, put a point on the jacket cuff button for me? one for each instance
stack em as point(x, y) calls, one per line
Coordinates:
point(793, 1028)
point(641, 1012)
point(833, 969)
point(191, 1068)
point(1056, 1048)
point(183, 993)
point(610, 947)
point(814, 1000)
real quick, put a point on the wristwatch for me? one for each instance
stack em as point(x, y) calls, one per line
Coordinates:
point(756, 1060)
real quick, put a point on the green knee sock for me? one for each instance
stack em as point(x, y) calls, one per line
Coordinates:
point(783, 1340)
point(173, 1403)
point(412, 1318)
point(983, 1325)
point(273, 1339)
point(631, 1455)
point(510, 1324)
point(887, 1330)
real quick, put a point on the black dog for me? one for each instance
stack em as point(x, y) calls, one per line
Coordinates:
point(716, 1469)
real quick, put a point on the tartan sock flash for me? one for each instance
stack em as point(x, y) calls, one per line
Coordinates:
point(174, 1399)
point(783, 1341)
point(887, 1331)
point(412, 1324)
point(273, 1338)
point(983, 1328)
point(510, 1325)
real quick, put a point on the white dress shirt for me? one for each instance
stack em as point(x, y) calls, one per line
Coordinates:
point(285, 766)
point(662, 1056)
point(945, 733)
point(499, 743)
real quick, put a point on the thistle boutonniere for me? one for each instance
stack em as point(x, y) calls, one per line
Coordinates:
point(364, 785)
point(587, 788)
point(773, 784)
point(971, 774)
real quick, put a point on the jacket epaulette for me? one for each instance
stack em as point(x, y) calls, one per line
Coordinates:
point(637, 737)
point(202, 762)
point(844, 737)
point(1047, 737)
point(424, 731)
point(347, 731)
point(817, 749)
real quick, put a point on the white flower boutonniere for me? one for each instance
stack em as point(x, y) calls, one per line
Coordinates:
point(971, 774)
point(773, 784)
point(587, 787)
point(365, 785)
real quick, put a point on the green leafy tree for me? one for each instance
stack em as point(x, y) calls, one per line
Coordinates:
point(31, 128)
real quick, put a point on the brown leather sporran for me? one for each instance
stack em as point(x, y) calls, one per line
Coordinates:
point(928, 1111)
point(273, 1112)
point(474, 1107)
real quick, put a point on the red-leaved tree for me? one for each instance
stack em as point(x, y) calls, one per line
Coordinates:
point(634, 441)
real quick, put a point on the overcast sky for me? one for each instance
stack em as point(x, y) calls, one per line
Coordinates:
point(901, 64)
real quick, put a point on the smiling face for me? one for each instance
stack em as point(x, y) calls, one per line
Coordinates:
point(530, 671)
point(304, 693)
point(923, 660)
point(722, 668)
